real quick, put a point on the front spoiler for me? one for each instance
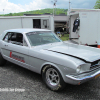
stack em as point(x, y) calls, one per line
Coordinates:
point(83, 77)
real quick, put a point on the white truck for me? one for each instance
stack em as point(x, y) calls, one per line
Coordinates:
point(84, 26)
point(12, 22)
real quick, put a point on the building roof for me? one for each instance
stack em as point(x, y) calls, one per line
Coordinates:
point(59, 18)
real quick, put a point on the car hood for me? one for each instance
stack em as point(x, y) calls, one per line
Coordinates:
point(78, 51)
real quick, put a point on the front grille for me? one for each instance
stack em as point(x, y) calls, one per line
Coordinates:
point(94, 65)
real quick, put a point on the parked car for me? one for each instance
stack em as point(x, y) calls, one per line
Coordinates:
point(41, 51)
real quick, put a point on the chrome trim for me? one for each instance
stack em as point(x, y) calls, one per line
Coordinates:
point(84, 78)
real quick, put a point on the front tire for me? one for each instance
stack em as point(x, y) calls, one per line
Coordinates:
point(52, 78)
point(2, 60)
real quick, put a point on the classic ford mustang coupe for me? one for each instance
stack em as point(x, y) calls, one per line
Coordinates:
point(41, 51)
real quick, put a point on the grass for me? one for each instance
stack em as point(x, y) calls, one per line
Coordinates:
point(65, 37)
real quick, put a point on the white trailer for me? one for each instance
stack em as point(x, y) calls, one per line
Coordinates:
point(13, 22)
point(88, 31)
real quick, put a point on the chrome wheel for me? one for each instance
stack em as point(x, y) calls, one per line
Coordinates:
point(52, 77)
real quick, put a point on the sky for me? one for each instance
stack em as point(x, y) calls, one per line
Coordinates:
point(15, 6)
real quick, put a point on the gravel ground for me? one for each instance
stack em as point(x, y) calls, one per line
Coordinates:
point(13, 78)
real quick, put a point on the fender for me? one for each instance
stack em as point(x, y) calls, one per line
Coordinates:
point(54, 65)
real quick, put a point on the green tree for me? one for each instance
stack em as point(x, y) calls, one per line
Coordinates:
point(97, 4)
point(42, 11)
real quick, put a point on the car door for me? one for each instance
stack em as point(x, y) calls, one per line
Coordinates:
point(14, 50)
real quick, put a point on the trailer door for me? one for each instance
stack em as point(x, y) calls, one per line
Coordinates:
point(45, 23)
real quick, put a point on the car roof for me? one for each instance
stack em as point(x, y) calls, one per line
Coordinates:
point(26, 30)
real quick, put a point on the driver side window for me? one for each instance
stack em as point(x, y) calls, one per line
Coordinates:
point(14, 38)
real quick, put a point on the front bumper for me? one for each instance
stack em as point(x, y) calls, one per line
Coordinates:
point(83, 77)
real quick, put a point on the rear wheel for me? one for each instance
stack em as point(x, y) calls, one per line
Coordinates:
point(53, 78)
point(2, 60)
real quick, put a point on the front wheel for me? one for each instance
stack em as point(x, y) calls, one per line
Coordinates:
point(53, 78)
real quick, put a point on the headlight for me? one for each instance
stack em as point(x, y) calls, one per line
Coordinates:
point(83, 68)
point(78, 69)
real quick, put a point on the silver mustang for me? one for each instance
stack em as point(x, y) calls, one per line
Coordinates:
point(41, 51)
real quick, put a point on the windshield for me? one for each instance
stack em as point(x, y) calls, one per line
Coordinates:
point(40, 38)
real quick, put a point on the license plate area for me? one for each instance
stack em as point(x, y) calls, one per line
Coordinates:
point(97, 76)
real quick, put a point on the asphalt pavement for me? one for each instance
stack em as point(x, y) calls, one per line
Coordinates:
point(17, 83)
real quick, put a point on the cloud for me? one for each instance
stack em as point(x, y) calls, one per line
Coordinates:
point(36, 4)
point(14, 8)
point(86, 4)
point(10, 7)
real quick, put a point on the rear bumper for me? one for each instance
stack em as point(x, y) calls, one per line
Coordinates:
point(83, 77)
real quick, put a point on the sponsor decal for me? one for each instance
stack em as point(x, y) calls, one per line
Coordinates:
point(16, 57)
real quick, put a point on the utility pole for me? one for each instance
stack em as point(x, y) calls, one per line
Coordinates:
point(69, 6)
point(54, 4)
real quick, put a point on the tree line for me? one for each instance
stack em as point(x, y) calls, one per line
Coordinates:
point(97, 4)
point(57, 11)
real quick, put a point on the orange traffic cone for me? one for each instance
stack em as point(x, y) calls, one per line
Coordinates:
point(98, 45)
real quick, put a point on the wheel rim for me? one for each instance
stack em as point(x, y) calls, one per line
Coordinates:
point(52, 77)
